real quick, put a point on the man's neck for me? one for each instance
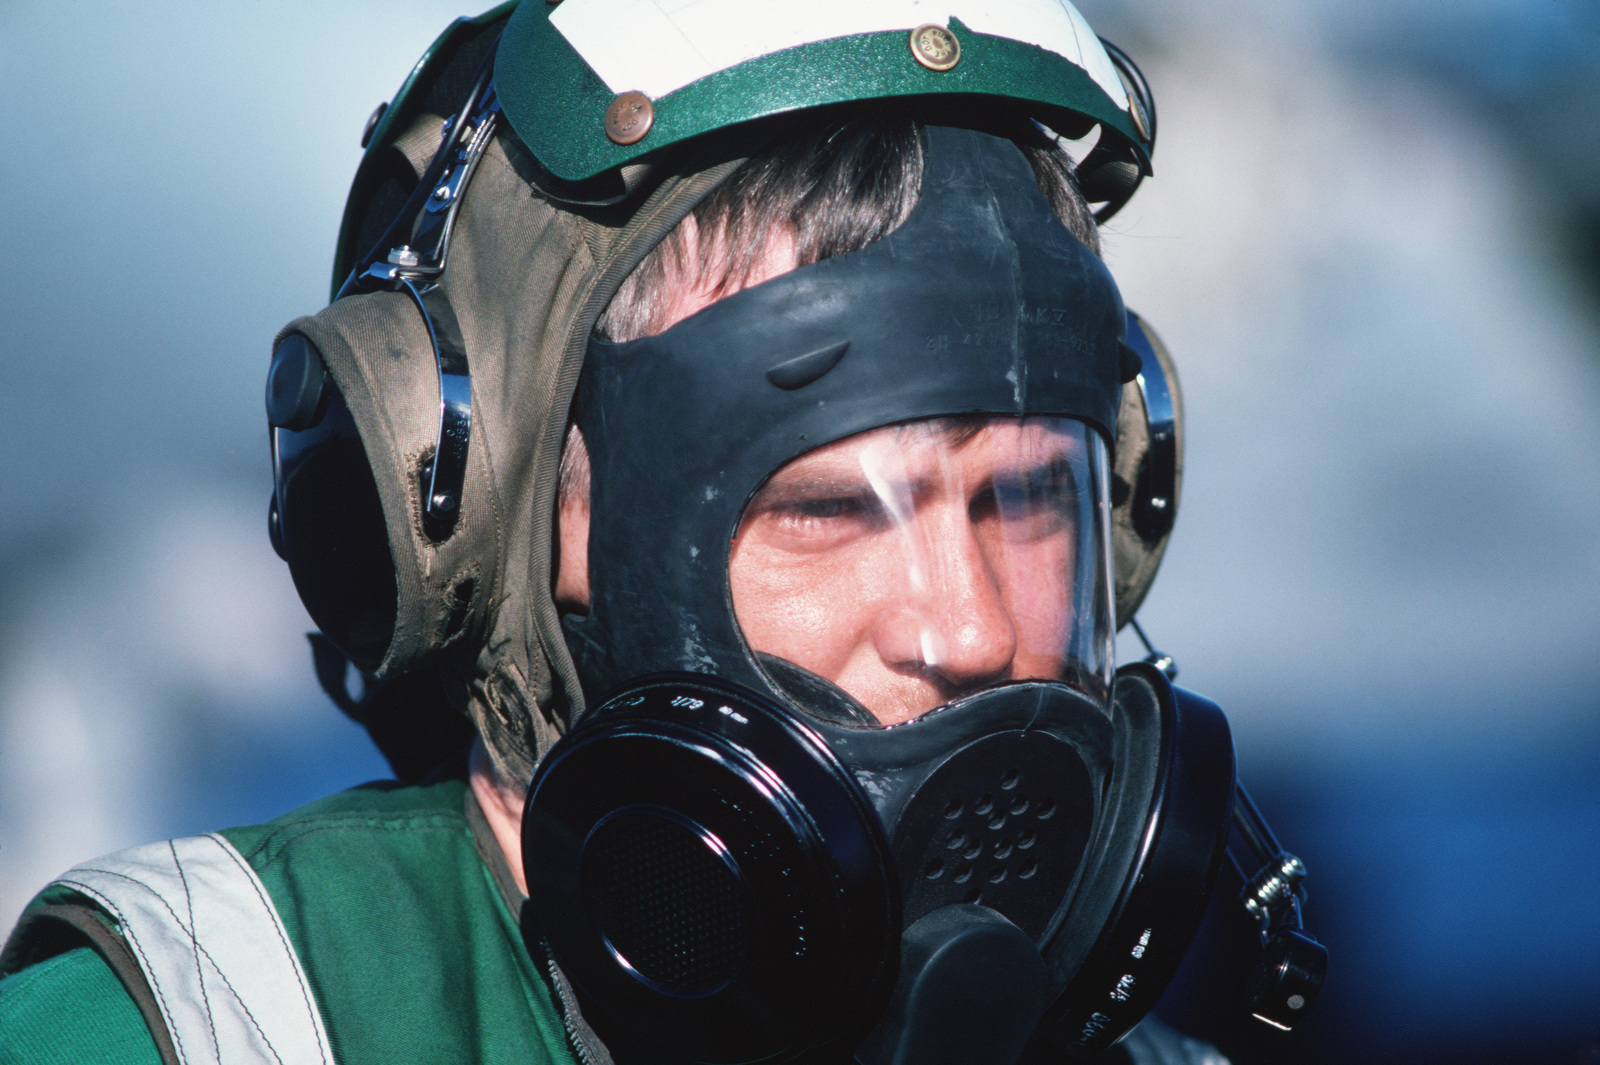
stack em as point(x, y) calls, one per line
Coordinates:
point(502, 808)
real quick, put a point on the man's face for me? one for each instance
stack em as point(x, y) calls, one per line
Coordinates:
point(908, 565)
point(913, 564)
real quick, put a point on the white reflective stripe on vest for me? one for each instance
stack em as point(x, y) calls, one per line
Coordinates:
point(214, 950)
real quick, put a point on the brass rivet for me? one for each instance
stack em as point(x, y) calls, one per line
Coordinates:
point(935, 47)
point(1139, 121)
point(629, 118)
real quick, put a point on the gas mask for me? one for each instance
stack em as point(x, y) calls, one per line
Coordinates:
point(857, 776)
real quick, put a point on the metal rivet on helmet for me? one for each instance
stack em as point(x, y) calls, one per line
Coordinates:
point(935, 47)
point(629, 118)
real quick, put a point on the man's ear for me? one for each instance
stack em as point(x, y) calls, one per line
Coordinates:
point(572, 527)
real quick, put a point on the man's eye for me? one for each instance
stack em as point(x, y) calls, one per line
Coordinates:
point(824, 521)
point(1033, 504)
point(828, 508)
point(1022, 498)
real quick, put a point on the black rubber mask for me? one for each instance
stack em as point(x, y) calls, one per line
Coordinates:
point(981, 303)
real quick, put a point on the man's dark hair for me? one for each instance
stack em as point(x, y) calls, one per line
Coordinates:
point(833, 190)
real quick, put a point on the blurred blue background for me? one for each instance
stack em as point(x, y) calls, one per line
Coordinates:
point(1372, 242)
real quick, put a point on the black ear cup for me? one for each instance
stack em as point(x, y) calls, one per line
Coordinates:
point(709, 878)
point(296, 385)
point(1109, 180)
point(327, 520)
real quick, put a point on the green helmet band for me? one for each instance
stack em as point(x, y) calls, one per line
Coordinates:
point(592, 85)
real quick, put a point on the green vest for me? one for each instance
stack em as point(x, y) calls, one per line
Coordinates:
point(409, 945)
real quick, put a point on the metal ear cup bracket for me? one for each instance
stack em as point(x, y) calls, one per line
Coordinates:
point(410, 258)
point(447, 471)
point(1292, 966)
point(1154, 506)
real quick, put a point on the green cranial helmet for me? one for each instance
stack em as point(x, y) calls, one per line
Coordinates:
point(597, 90)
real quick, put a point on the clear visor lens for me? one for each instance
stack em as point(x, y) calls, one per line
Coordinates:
point(918, 563)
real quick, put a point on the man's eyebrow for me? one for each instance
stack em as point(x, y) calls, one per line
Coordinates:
point(1048, 465)
point(1054, 470)
point(800, 487)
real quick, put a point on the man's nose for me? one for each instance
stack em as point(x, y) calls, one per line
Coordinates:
point(953, 625)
